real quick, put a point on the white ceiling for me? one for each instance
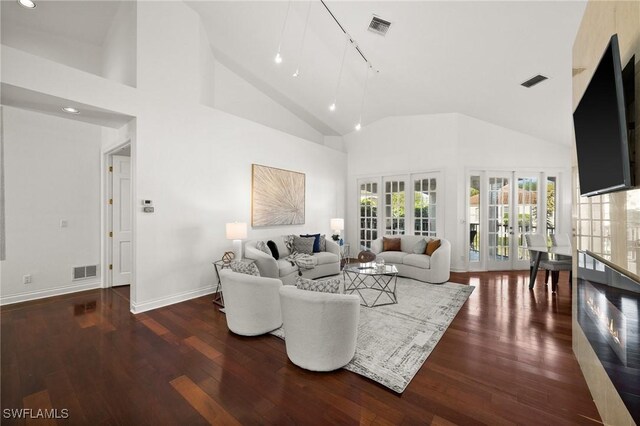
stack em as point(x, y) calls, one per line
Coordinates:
point(467, 57)
point(438, 57)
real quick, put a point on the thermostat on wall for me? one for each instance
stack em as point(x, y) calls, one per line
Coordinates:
point(147, 202)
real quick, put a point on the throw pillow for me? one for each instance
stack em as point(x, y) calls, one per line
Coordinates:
point(245, 268)
point(323, 243)
point(288, 242)
point(303, 244)
point(331, 285)
point(262, 246)
point(420, 247)
point(274, 249)
point(391, 244)
point(316, 242)
point(432, 246)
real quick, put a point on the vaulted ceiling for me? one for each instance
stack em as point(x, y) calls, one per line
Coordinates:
point(465, 57)
point(438, 57)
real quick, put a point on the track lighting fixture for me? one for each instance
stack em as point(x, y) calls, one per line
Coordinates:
point(304, 36)
point(332, 107)
point(278, 58)
point(364, 93)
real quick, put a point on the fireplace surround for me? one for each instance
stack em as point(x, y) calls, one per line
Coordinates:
point(608, 309)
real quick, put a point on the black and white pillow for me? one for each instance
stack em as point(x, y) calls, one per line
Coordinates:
point(245, 268)
point(303, 244)
point(323, 243)
point(262, 246)
point(288, 242)
point(331, 285)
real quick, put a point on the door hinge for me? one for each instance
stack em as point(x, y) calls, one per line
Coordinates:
point(110, 200)
point(111, 233)
point(111, 168)
point(110, 266)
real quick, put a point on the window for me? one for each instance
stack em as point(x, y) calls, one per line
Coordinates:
point(424, 201)
point(368, 213)
point(394, 207)
point(398, 205)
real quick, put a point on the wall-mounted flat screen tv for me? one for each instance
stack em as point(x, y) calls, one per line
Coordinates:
point(601, 128)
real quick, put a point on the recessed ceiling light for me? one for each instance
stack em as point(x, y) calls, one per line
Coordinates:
point(28, 4)
point(71, 110)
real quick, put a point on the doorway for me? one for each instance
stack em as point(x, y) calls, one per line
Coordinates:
point(503, 206)
point(119, 217)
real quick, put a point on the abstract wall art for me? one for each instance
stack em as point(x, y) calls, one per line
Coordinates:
point(277, 196)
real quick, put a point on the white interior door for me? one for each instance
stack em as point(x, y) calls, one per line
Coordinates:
point(121, 221)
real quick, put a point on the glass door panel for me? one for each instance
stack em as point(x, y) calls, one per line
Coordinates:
point(425, 205)
point(498, 228)
point(394, 207)
point(475, 201)
point(526, 212)
point(368, 213)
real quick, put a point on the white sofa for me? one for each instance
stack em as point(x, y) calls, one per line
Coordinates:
point(327, 262)
point(320, 329)
point(433, 269)
point(252, 304)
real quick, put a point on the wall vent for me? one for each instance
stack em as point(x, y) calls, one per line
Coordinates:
point(82, 272)
point(379, 25)
point(534, 80)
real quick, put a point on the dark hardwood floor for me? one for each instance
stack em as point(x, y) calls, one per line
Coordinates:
point(505, 359)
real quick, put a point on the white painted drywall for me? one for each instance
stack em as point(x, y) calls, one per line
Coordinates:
point(192, 160)
point(453, 144)
point(52, 172)
point(119, 47)
point(74, 53)
point(237, 96)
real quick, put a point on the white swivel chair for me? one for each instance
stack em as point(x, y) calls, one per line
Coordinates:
point(251, 304)
point(320, 329)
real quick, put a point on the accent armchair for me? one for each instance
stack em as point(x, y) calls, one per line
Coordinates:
point(320, 328)
point(252, 304)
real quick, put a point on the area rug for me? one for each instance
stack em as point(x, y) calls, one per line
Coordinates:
point(395, 340)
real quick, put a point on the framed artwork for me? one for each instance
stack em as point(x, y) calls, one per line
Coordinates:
point(277, 196)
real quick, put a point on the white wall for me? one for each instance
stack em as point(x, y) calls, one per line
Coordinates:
point(452, 144)
point(192, 160)
point(52, 172)
point(74, 53)
point(237, 96)
point(119, 47)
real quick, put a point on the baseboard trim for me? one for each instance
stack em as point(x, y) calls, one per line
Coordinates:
point(138, 308)
point(49, 292)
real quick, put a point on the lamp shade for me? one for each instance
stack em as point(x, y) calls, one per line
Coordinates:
point(236, 231)
point(337, 224)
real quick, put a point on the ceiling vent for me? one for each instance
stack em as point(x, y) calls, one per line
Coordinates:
point(534, 80)
point(379, 25)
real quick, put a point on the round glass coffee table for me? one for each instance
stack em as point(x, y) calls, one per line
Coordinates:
point(371, 282)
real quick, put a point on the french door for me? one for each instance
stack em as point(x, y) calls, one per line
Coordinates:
point(399, 205)
point(503, 207)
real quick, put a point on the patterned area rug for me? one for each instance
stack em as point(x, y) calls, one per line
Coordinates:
point(395, 340)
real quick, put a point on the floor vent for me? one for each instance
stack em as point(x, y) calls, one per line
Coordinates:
point(534, 80)
point(82, 272)
point(379, 25)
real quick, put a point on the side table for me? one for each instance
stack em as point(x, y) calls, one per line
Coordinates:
point(218, 298)
point(345, 253)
